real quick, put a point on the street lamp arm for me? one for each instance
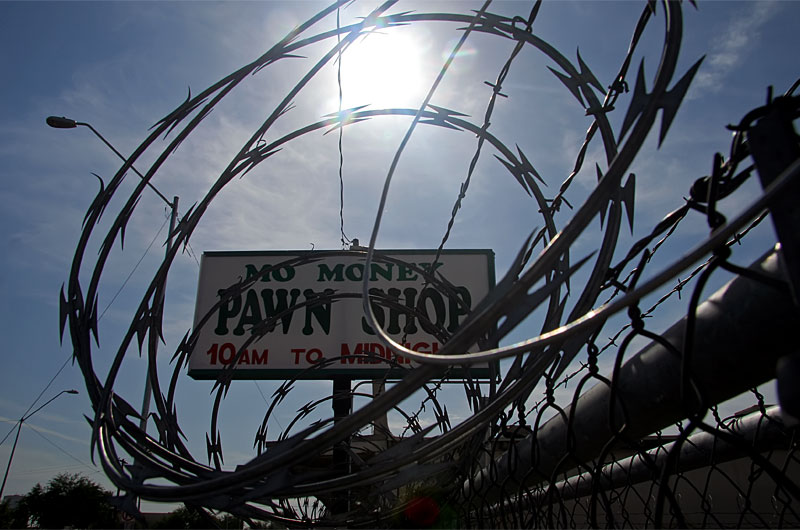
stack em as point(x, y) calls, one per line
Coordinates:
point(163, 198)
point(47, 403)
point(19, 429)
point(61, 122)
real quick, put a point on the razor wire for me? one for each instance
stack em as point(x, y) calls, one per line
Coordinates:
point(519, 460)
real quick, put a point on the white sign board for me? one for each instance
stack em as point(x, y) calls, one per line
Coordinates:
point(299, 309)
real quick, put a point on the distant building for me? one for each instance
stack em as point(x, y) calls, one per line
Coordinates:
point(13, 500)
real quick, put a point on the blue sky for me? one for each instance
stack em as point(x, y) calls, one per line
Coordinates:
point(122, 66)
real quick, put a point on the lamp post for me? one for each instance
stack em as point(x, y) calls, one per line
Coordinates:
point(57, 122)
point(61, 122)
point(19, 428)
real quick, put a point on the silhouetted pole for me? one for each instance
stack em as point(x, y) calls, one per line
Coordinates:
point(61, 122)
point(16, 438)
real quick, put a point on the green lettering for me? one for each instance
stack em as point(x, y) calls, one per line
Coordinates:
point(282, 274)
point(404, 274)
point(430, 325)
point(355, 272)
point(376, 271)
point(321, 311)
point(226, 311)
point(251, 313)
point(429, 268)
point(376, 309)
point(262, 274)
point(327, 275)
point(457, 309)
point(273, 307)
point(410, 294)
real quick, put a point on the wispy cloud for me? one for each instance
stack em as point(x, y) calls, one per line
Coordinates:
point(735, 42)
point(49, 432)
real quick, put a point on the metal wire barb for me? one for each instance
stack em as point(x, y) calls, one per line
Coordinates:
point(577, 429)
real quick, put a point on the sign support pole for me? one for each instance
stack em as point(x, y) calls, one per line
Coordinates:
point(342, 405)
point(380, 430)
point(148, 387)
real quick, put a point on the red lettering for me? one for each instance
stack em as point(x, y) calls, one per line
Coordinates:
point(226, 353)
point(378, 349)
point(231, 349)
point(418, 347)
point(213, 353)
point(255, 359)
point(347, 355)
point(316, 354)
point(297, 352)
point(399, 358)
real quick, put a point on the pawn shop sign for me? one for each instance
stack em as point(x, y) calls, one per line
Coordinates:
point(284, 314)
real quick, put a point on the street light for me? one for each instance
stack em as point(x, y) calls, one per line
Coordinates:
point(19, 428)
point(61, 122)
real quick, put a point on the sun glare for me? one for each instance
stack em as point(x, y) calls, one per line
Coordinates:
point(383, 70)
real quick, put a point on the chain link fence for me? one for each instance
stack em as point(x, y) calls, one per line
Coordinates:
point(585, 424)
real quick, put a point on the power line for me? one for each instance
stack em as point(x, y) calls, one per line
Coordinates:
point(193, 254)
point(37, 399)
point(121, 287)
point(260, 392)
point(46, 439)
point(345, 239)
point(9, 432)
point(265, 401)
point(49, 470)
point(66, 361)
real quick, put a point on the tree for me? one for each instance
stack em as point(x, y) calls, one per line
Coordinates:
point(13, 516)
point(70, 500)
point(185, 517)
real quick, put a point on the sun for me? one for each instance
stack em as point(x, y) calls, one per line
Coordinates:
point(382, 70)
